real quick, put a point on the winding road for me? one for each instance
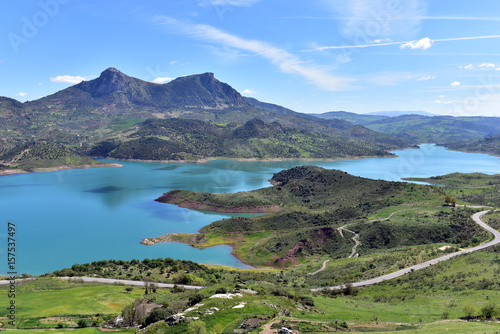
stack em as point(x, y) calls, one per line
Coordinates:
point(476, 217)
point(323, 267)
point(117, 281)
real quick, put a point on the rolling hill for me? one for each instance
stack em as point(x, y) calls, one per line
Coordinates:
point(424, 129)
point(489, 145)
point(184, 139)
point(42, 155)
point(309, 211)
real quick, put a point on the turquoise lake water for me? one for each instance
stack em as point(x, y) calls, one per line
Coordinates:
point(84, 215)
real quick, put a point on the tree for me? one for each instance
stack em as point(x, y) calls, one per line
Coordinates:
point(139, 311)
point(128, 315)
point(489, 310)
point(469, 310)
point(193, 300)
point(197, 327)
point(156, 315)
point(450, 200)
point(82, 323)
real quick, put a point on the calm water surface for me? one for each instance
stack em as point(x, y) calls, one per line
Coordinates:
point(84, 215)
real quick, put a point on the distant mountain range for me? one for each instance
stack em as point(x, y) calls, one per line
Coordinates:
point(424, 129)
point(395, 113)
point(113, 105)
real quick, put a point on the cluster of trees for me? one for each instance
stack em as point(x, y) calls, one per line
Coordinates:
point(487, 311)
point(187, 272)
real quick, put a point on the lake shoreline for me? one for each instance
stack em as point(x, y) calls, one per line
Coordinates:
point(170, 238)
point(6, 172)
point(205, 160)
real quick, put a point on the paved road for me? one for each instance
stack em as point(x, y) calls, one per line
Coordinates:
point(477, 219)
point(123, 281)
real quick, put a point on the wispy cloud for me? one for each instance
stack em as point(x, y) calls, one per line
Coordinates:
point(21, 94)
point(399, 18)
point(422, 42)
point(69, 79)
point(284, 60)
point(234, 3)
point(426, 78)
point(378, 18)
point(161, 80)
point(443, 102)
point(459, 18)
point(455, 84)
point(389, 78)
point(467, 67)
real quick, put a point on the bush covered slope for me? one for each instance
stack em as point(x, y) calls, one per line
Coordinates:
point(313, 211)
point(183, 139)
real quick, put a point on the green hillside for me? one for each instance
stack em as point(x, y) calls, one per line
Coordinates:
point(476, 188)
point(489, 145)
point(181, 139)
point(308, 211)
point(101, 109)
point(42, 155)
point(424, 129)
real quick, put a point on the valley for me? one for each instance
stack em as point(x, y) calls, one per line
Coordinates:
point(318, 249)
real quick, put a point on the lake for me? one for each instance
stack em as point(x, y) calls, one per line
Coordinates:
point(84, 215)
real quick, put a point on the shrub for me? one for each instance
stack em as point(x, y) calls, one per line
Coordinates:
point(221, 290)
point(489, 310)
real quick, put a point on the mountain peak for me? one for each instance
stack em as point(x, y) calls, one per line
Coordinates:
point(111, 80)
point(111, 70)
point(205, 91)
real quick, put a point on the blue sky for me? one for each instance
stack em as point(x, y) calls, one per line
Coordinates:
point(311, 56)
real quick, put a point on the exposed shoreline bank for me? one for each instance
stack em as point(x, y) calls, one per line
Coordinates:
point(205, 160)
point(55, 169)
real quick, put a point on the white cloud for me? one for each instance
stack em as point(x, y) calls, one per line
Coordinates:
point(285, 61)
point(443, 102)
point(441, 96)
point(498, 69)
point(40, 83)
point(487, 66)
point(389, 78)
point(161, 80)
point(455, 84)
point(21, 94)
point(383, 40)
point(68, 79)
point(248, 91)
point(233, 3)
point(423, 44)
point(173, 62)
point(466, 67)
point(427, 78)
